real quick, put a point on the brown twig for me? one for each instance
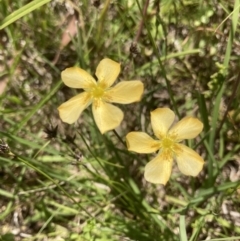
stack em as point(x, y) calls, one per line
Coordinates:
point(142, 21)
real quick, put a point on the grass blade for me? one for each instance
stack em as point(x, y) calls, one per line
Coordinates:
point(22, 12)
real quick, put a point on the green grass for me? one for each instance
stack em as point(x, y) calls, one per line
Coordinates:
point(80, 185)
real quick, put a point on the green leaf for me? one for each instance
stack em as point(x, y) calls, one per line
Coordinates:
point(22, 12)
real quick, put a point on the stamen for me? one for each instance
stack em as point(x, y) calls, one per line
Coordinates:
point(97, 92)
point(167, 143)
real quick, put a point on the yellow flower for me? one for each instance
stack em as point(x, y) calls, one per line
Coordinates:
point(159, 169)
point(100, 94)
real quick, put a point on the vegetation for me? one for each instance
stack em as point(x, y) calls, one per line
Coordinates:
point(70, 182)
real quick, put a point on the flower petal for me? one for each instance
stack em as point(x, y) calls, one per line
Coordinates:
point(158, 170)
point(70, 111)
point(189, 162)
point(107, 72)
point(161, 120)
point(125, 92)
point(187, 128)
point(106, 116)
point(141, 142)
point(78, 78)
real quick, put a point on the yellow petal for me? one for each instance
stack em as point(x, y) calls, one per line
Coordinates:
point(106, 116)
point(187, 128)
point(77, 78)
point(161, 120)
point(189, 162)
point(70, 111)
point(141, 142)
point(125, 92)
point(107, 72)
point(158, 170)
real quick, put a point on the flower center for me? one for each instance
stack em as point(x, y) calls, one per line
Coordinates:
point(170, 147)
point(167, 143)
point(97, 92)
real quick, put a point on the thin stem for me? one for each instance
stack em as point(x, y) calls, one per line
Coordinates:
point(142, 21)
point(119, 138)
point(234, 91)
